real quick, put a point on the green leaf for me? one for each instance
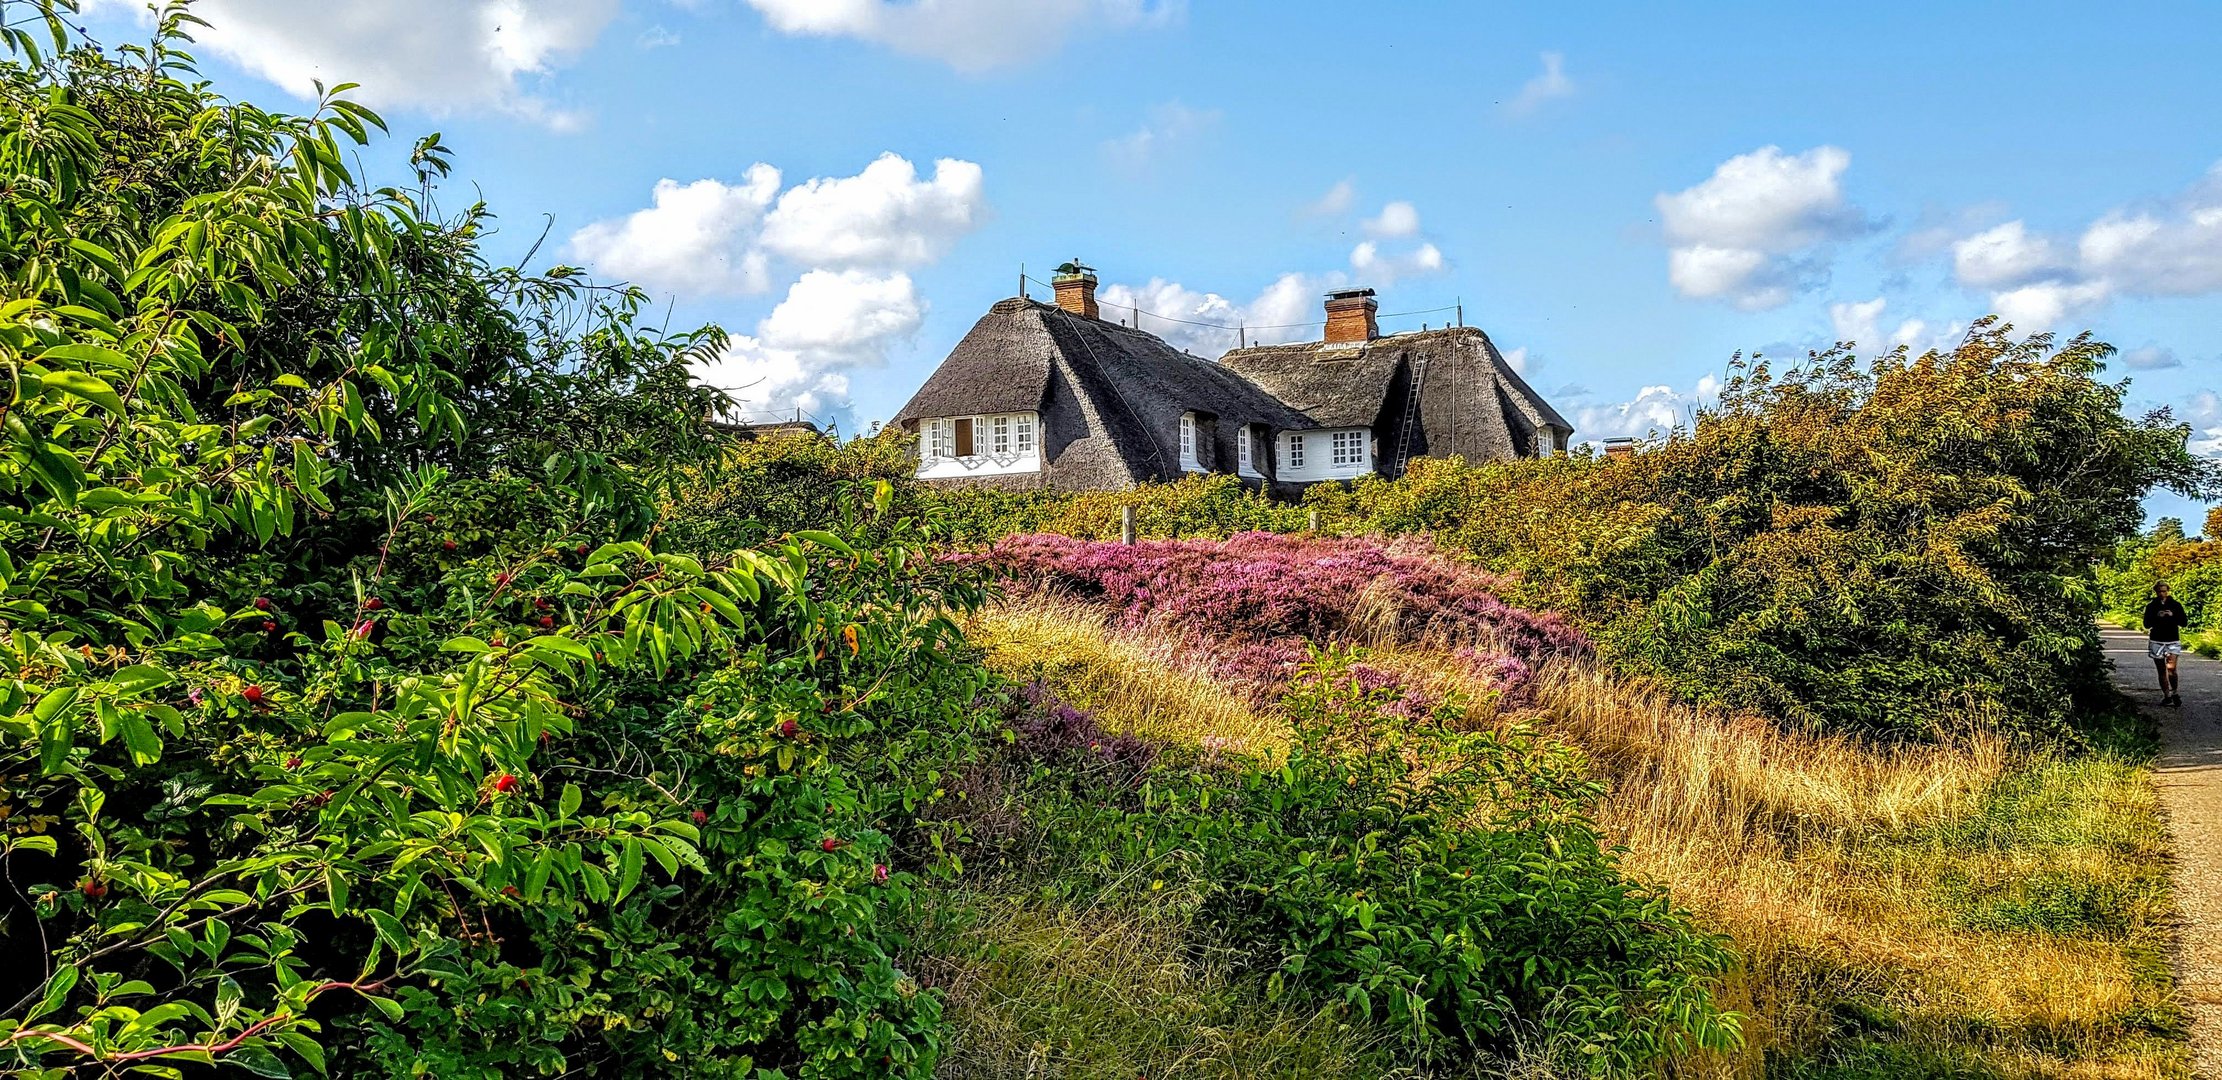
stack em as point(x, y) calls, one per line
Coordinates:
point(628, 867)
point(826, 539)
point(140, 737)
point(91, 388)
point(138, 679)
point(568, 803)
point(57, 991)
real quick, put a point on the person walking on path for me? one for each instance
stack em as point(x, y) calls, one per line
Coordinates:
point(2164, 622)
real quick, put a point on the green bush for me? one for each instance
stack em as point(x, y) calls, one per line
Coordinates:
point(356, 714)
point(1442, 884)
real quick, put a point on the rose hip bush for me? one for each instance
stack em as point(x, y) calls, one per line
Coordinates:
point(355, 714)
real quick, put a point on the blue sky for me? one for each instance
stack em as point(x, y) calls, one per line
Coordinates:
point(1622, 196)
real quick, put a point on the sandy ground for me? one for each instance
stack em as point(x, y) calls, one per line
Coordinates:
point(2189, 776)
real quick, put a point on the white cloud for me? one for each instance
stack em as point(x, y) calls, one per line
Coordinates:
point(2003, 257)
point(852, 237)
point(441, 56)
point(1551, 85)
point(1654, 410)
point(713, 238)
point(695, 238)
point(1747, 234)
point(1383, 268)
point(1517, 359)
point(1336, 202)
point(1398, 218)
point(2173, 250)
point(803, 353)
point(2169, 248)
point(2205, 414)
point(2151, 358)
point(2047, 304)
point(1169, 125)
point(656, 37)
point(1862, 323)
point(883, 216)
point(968, 35)
point(1286, 310)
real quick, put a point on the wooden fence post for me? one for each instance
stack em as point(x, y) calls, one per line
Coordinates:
point(1126, 524)
point(1311, 521)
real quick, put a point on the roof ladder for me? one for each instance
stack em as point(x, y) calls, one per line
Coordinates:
point(1411, 416)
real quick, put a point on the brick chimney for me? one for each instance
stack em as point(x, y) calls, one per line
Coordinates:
point(1076, 290)
point(1350, 316)
point(1620, 448)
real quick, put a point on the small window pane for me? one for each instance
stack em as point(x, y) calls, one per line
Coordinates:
point(1026, 433)
point(1001, 437)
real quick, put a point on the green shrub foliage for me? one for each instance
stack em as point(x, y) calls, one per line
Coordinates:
point(1444, 883)
point(356, 715)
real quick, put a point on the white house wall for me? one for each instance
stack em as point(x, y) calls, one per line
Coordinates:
point(985, 462)
point(1319, 456)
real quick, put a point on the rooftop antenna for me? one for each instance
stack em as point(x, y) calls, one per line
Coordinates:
point(1022, 281)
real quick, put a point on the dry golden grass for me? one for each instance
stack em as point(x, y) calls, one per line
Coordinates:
point(1132, 683)
point(1935, 910)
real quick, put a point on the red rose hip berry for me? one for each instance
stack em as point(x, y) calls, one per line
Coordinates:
point(253, 694)
point(702, 817)
point(262, 603)
point(505, 782)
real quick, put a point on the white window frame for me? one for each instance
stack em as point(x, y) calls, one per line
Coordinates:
point(999, 435)
point(1348, 449)
point(940, 437)
point(1023, 436)
point(1188, 459)
point(1295, 458)
point(1242, 449)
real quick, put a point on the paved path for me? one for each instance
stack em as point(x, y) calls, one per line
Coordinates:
point(2189, 777)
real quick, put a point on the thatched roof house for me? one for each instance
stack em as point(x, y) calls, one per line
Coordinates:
point(1051, 395)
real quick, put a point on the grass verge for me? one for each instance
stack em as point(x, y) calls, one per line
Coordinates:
point(1958, 910)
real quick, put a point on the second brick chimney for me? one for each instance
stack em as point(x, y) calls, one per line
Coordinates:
point(1350, 316)
point(1076, 291)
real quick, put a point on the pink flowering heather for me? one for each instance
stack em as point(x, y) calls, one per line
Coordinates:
point(1256, 598)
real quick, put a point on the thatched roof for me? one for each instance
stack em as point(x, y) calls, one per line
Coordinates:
point(1002, 365)
point(1127, 384)
point(1467, 382)
point(1111, 396)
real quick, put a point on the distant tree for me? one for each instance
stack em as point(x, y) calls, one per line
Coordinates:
point(2214, 524)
